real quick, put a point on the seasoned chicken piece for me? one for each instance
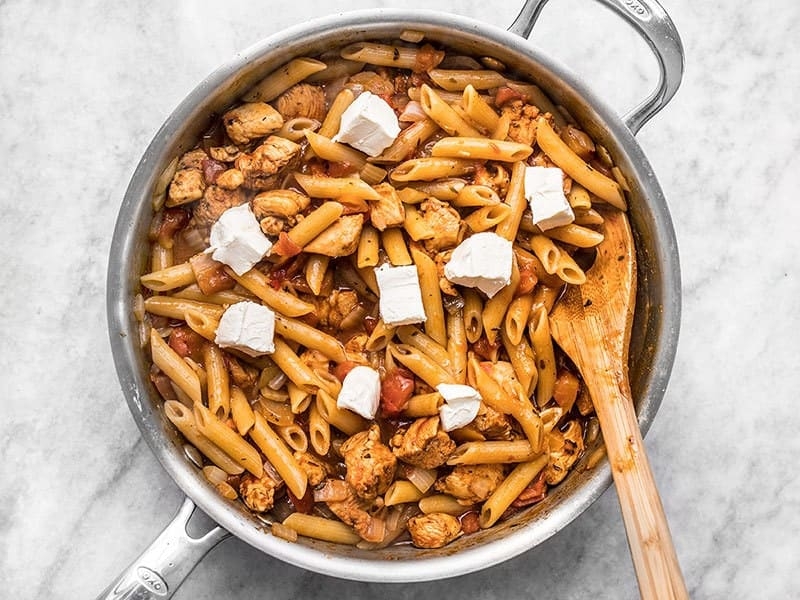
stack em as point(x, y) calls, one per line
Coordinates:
point(193, 159)
point(187, 185)
point(261, 168)
point(225, 154)
point(564, 449)
point(433, 530)
point(370, 464)
point(494, 176)
point(331, 310)
point(389, 210)
point(230, 179)
point(471, 483)
point(423, 444)
point(315, 468)
point(371, 81)
point(353, 512)
point(503, 373)
point(302, 100)
point(258, 494)
point(251, 121)
point(216, 201)
point(445, 285)
point(315, 360)
point(523, 121)
point(277, 210)
point(492, 424)
point(444, 220)
point(340, 239)
point(355, 349)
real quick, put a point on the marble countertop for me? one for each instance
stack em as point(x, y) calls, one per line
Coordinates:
point(83, 88)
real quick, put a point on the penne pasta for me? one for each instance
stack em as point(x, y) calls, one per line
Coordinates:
point(368, 246)
point(175, 308)
point(319, 431)
point(455, 80)
point(278, 300)
point(475, 195)
point(296, 129)
point(401, 492)
point(217, 382)
point(310, 337)
point(294, 368)
point(521, 357)
point(279, 456)
point(344, 420)
point(431, 295)
point(321, 528)
point(169, 278)
point(293, 436)
point(175, 367)
point(457, 345)
point(430, 168)
point(380, 337)
point(473, 315)
point(277, 82)
point(183, 419)
point(493, 452)
point(516, 319)
point(444, 115)
point(515, 199)
point(410, 335)
point(542, 344)
point(419, 364)
point(509, 489)
point(423, 405)
point(228, 440)
point(495, 308)
point(241, 412)
point(487, 217)
point(481, 149)
point(389, 55)
point(442, 503)
point(407, 142)
point(202, 324)
point(574, 166)
point(315, 270)
point(394, 244)
point(546, 251)
point(575, 235)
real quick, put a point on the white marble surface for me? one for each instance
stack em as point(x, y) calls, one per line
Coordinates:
point(84, 86)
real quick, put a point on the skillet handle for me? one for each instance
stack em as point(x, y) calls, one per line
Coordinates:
point(158, 572)
point(652, 23)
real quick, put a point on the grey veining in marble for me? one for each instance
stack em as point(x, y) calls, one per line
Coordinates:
point(84, 86)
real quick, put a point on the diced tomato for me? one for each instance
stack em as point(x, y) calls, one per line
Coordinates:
point(285, 246)
point(506, 94)
point(212, 169)
point(341, 370)
point(302, 505)
point(470, 522)
point(396, 388)
point(535, 492)
point(341, 168)
point(486, 350)
point(565, 390)
point(187, 342)
point(370, 323)
point(172, 221)
point(527, 279)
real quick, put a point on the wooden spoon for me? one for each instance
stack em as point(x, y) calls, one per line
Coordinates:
point(592, 324)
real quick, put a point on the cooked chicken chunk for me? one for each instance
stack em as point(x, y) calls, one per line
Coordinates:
point(433, 530)
point(353, 511)
point(445, 285)
point(302, 100)
point(564, 449)
point(230, 179)
point(251, 121)
point(492, 424)
point(377, 82)
point(187, 185)
point(315, 468)
point(523, 121)
point(258, 494)
point(494, 176)
point(315, 360)
point(389, 210)
point(193, 159)
point(370, 464)
point(444, 220)
point(261, 168)
point(340, 239)
point(332, 309)
point(216, 201)
point(471, 483)
point(277, 210)
point(423, 444)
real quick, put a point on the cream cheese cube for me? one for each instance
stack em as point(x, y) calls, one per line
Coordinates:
point(236, 239)
point(248, 327)
point(400, 295)
point(481, 261)
point(369, 124)
point(361, 391)
point(544, 190)
point(461, 405)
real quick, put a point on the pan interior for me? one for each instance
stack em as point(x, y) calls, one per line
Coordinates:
point(654, 336)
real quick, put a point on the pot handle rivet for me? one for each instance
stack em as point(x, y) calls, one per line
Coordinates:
point(158, 571)
point(653, 24)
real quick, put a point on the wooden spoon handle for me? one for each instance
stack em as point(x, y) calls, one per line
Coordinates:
point(654, 559)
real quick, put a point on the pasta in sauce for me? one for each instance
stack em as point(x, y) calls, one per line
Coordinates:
point(269, 425)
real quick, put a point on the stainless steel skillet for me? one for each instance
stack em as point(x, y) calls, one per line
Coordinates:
point(160, 569)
